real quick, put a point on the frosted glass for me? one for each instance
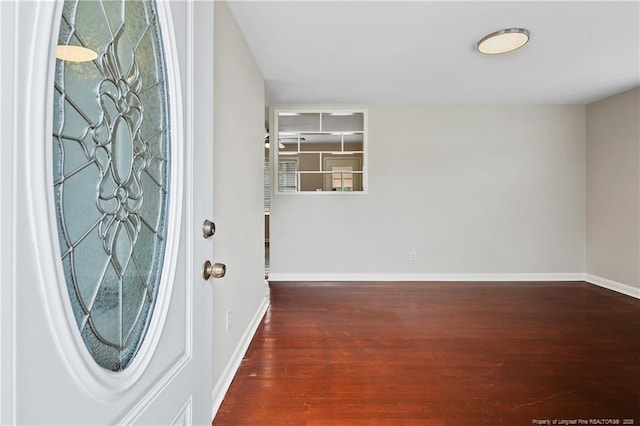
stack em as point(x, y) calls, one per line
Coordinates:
point(111, 167)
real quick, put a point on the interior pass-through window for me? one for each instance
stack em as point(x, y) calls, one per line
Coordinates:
point(319, 151)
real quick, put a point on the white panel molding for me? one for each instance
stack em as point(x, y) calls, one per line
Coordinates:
point(184, 417)
point(187, 87)
point(155, 391)
point(221, 387)
point(570, 276)
point(613, 285)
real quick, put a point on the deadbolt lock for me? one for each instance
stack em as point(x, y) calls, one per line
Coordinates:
point(208, 228)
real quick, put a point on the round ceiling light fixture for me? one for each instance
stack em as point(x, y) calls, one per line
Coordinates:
point(77, 54)
point(503, 41)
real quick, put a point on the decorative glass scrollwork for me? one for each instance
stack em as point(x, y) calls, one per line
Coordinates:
point(111, 159)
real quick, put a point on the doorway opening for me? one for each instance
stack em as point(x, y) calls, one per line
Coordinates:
point(267, 205)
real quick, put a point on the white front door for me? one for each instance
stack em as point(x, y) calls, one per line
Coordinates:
point(76, 288)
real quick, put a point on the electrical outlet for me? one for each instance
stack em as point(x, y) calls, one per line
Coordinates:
point(413, 255)
point(228, 323)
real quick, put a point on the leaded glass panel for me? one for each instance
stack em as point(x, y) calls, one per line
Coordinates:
point(111, 159)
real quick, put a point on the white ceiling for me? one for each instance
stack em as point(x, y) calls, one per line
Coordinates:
point(423, 52)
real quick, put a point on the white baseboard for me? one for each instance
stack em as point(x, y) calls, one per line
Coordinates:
point(569, 276)
point(222, 386)
point(613, 285)
point(577, 276)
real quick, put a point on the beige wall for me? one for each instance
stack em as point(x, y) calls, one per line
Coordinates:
point(238, 188)
point(613, 189)
point(472, 190)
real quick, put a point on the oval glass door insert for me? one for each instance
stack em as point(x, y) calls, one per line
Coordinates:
point(111, 162)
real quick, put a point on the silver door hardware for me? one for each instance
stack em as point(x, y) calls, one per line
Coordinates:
point(217, 270)
point(208, 228)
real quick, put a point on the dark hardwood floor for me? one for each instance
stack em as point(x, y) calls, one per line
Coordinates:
point(440, 354)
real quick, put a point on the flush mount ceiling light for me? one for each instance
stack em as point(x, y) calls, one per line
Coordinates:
point(71, 53)
point(503, 41)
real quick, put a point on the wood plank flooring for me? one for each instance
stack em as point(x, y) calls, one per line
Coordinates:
point(440, 354)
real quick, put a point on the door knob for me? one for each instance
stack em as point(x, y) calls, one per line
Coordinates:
point(208, 228)
point(216, 270)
